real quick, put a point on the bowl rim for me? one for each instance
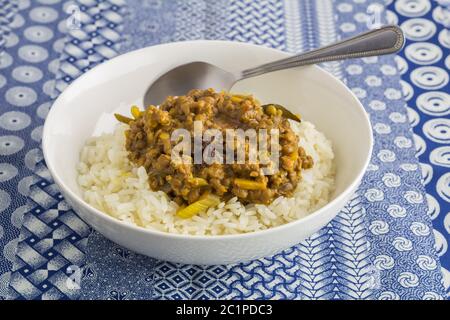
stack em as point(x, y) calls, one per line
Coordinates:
point(134, 228)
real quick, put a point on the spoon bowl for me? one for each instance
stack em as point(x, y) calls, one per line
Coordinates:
point(181, 79)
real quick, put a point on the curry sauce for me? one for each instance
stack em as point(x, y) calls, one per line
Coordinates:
point(149, 143)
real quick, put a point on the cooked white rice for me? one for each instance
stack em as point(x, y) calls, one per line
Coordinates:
point(111, 183)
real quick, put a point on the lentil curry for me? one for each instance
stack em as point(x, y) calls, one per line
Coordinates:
point(201, 185)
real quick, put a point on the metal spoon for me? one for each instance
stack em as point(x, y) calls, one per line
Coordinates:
point(202, 75)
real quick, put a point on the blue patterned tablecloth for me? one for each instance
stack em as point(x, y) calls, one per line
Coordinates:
point(382, 245)
point(424, 66)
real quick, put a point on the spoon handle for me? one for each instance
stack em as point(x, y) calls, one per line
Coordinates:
point(385, 40)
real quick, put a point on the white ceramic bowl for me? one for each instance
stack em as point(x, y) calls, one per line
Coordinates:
point(85, 108)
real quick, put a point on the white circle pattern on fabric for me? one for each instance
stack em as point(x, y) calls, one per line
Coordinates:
point(382, 128)
point(33, 53)
point(23, 82)
point(388, 70)
point(7, 172)
point(413, 197)
point(412, 8)
point(6, 60)
point(429, 78)
point(10, 145)
point(408, 280)
point(402, 244)
point(396, 211)
point(392, 94)
point(14, 121)
point(384, 262)
point(443, 187)
point(379, 227)
point(397, 117)
point(38, 34)
point(418, 29)
point(434, 103)
point(423, 53)
point(391, 180)
point(428, 62)
point(21, 96)
point(348, 27)
point(437, 130)
point(344, 7)
point(377, 105)
point(386, 155)
point(441, 156)
point(373, 81)
point(374, 195)
point(360, 17)
point(426, 262)
point(403, 142)
point(43, 14)
point(27, 74)
point(419, 229)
